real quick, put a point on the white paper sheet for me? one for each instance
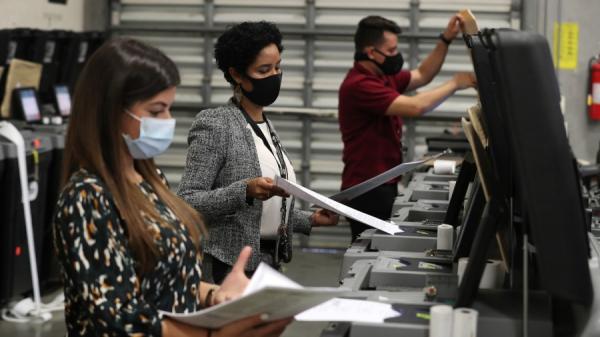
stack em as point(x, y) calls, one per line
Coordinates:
point(269, 292)
point(348, 310)
point(334, 206)
point(265, 276)
point(382, 178)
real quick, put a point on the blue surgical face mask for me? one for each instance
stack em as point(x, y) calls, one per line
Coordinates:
point(156, 134)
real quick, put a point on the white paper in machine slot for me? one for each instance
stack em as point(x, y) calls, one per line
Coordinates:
point(382, 178)
point(334, 206)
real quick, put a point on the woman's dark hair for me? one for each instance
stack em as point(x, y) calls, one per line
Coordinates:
point(370, 31)
point(239, 45)
point(119, 74)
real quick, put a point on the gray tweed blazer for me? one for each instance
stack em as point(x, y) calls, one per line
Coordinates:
point(221, 157)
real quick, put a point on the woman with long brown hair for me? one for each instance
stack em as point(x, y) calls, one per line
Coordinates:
point(128, 246)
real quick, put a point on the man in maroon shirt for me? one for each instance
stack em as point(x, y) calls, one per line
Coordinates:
point(372, 104)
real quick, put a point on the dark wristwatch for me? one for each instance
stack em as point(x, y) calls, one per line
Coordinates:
point(443, 38)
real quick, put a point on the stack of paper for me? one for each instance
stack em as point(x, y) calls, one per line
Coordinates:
point(268, 292)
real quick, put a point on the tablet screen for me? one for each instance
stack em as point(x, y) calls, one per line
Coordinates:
point(31, 109)
point(63, 100)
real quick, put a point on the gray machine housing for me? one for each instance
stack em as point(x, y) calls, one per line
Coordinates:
point(360, 250)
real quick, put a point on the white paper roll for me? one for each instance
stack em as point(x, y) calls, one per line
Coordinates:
point(465, 323)
point(440, 321)
point(451, 185)
point(492, 274)
point(444, 166)
point(445, 237)
point(462, 266)
point(489, 280)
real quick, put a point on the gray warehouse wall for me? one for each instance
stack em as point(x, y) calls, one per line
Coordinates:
point(540, 16)
point(77, 15)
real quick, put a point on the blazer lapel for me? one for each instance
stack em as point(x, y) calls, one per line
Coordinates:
point(241, 124)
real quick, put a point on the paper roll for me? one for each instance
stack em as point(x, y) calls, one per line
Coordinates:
point(444, 166)
point(489, 280)
point(465, 322)
point(440, 320)
point(462, 266)
point(451, 185)
point(445, 237)
point(492, 274)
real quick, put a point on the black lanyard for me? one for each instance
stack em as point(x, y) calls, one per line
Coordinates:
point(278, 156)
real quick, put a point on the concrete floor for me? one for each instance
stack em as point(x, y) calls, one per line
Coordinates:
point(309, 268)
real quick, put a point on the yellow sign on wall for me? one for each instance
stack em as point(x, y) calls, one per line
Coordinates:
point(568, 48)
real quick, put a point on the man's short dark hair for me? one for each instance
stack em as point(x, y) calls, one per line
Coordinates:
point(239, 45)
point(370, 31)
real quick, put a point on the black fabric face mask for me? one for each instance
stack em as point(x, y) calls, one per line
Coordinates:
point(264, 90)
point(390, 66)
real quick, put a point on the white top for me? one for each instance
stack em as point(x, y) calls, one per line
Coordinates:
point(271, 208)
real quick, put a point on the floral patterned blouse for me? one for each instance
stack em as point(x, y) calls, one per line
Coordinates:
point(104, 295)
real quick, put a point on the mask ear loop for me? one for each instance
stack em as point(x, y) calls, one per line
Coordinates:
point(373, 59)
point(133, 115)
point(380, 52)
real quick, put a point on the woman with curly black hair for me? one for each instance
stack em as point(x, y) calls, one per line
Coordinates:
point(234, 154)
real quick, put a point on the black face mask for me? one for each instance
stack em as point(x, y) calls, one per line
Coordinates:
point(390, 66)
point(264, 90)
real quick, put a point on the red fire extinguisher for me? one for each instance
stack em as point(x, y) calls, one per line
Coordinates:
point(594, 89)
